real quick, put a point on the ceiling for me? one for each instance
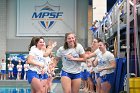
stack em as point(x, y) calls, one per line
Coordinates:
point(110, 4)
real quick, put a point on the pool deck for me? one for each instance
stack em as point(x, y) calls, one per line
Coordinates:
point(56, 87)
point(18, 83)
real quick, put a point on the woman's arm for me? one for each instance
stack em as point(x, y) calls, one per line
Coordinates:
point(49, 49)
point(112, 65)
point(93, 54)
point(30, 61)
point(56, 60)
point(95, 62)
point(82, 58)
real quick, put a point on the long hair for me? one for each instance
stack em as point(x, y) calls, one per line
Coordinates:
point(34, 41)
point(65, 42)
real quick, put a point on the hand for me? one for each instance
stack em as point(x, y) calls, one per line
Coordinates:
point(69, 57)
point(100, 69)
point(54, 44)
point(41, 65)
point(42, 71)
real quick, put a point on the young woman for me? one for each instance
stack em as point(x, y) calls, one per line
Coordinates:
point(26, 68)
point(37, 61)
point(10, 69)
point(90, 73)
point(95, 52)
point(84, 77)
point(19, 69)
point(3, 70)
point(47, 69)
point(72, 54)
point(106, 66)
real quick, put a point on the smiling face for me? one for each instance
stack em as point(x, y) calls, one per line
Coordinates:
point(39, 42)
point(95, 44)
point(102, 46)
point(71, 40)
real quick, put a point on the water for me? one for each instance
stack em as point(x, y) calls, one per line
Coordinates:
point(15, 90)
point(13, 86)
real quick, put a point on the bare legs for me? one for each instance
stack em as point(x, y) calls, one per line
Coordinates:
point(70, 86)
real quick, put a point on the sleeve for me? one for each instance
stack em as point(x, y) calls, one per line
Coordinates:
point(59, 52)
point(111, 57)
point(33, 51)
point(97, 52)
point(81, 49)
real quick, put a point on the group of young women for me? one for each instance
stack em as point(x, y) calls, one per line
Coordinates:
point(19, 67)
point(72, 55)
point(39, 60)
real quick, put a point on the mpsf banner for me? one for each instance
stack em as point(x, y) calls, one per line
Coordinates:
point(45, 17)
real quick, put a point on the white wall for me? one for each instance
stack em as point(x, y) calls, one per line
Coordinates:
point(99, 9)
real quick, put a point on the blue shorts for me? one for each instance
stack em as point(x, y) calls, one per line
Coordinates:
point(107, 78)
point(89, 74)
point(70, 75)
point(44, 76)
point(84, 75)
point(3, 71)
point(10, 71)
point(31, 74)
point(19, 71)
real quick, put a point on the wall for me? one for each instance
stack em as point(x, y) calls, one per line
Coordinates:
point(99, 9)
point(20, 44)
point(90, 20)
point(3, 28)
point(82, 22)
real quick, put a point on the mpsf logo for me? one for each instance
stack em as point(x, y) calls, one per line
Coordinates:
point(46, 16)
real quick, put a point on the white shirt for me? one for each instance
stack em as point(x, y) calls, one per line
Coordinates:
point(104, 61)
point(70, 66)
point(19, 67)
point(3, 66)
point(47, 62)
point(38, 57)
point(26, 67)
point(83, 66)
point(10, 66)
